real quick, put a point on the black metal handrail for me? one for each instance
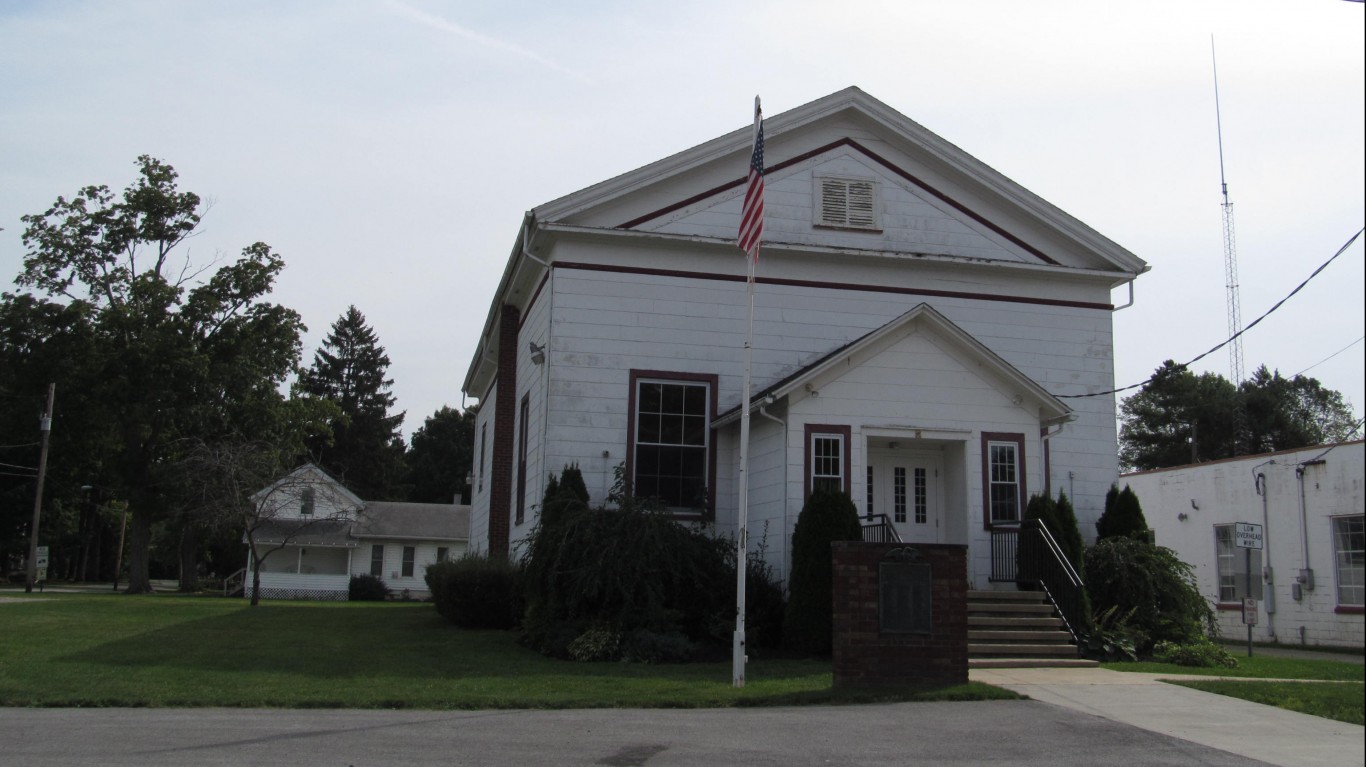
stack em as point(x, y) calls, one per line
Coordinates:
point(878, 528)
point(1030, 556)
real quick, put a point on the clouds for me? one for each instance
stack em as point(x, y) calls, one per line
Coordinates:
point(387, 148)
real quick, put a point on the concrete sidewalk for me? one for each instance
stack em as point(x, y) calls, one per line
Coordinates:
point(1265, 733)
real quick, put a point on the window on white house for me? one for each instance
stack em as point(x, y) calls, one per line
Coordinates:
point(827, 462)
point(377, 560)
point(1003, 472)
point(1226, 563)
point(921, 497)
point(899, 493)
point(672, 440)
point(868, 492)
point(442, 553)
point(846, 203)
point(1349, 554)
point(306, 502)
point(409, 560)
point(483, 442)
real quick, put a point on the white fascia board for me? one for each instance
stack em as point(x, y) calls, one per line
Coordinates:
point(1053, 270)
point(486, 338)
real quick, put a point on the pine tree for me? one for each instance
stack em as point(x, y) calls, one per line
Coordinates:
point(366, 449)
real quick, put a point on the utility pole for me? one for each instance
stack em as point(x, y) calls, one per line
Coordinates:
point(45, 426)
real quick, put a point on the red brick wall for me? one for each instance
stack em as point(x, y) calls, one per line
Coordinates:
point(504, 433)
point(866, 657)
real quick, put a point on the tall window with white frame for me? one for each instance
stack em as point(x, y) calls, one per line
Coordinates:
point(409, 561)
point(1349, 555)
point(1226, 563)
point(827, 462)
point(377, 560)
point(672, 440)
point(1003, 472)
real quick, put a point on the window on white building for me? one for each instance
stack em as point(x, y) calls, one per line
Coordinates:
point(1349, 555)
point(1005, 486)
point(377, 560)
point(1226, 563)
point(827, 462)
point(409, 560)
point(307, 499)
point(672, 442)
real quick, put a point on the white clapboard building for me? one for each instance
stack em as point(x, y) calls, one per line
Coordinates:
point(929, 336)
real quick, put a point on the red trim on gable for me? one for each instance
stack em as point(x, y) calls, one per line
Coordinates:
point(832, 285)
point(907, 176)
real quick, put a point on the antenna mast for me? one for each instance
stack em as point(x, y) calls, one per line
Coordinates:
point(1235, 320)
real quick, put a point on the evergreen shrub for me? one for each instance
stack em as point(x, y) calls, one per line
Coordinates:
point(477, 591)
point(1123, 516)
point(826, 517)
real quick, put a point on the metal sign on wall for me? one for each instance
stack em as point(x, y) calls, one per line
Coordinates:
point(1247, 535)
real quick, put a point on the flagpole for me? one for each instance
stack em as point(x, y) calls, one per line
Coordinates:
point(738, 655)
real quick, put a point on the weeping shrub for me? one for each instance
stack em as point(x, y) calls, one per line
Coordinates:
point(826, 517)
point(1150, 585)
point(594, 574)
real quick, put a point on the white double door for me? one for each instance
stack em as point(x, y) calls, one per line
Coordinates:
point(904, 485)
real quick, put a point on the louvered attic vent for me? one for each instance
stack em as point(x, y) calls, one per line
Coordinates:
point(847, 204)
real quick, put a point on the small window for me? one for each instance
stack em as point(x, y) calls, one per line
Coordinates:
point(306, 501)
point(921, 496)
point(483, 442)
point(827, 462)
point(409, 560)
point(1349, 555)
point(522, 431)
point(845, 203)
point(442, 553)
point(868, 492)
point(377, 560)
point(1003, 481)
point(1226, 563)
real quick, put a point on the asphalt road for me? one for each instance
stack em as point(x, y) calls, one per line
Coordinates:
point(996, 733)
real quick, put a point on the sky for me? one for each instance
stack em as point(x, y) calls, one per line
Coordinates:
point(387, 149)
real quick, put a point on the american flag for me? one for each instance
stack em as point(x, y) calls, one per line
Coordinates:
point(752, 215)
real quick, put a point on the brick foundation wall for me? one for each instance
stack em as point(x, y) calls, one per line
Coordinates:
point(864, 656)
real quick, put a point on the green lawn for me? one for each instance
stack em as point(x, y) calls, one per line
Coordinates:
point(1341, 701)
point(67, 650)
point(1259, 667)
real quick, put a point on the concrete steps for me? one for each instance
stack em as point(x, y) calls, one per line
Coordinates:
point(1018, 629)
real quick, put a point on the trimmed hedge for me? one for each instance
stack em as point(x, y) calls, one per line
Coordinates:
point(477, 592)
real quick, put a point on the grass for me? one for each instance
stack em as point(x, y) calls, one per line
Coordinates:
point(195, 651)
point(1259, 667)
point(1342, 702)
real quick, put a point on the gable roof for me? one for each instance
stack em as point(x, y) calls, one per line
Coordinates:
point(985, 205)
point(309, 474)
point(923, 315)
point(421, 521)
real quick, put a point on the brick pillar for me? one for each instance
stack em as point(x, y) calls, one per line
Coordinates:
point(504, 432)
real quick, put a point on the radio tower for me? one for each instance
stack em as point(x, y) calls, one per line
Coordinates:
point(1235, 320)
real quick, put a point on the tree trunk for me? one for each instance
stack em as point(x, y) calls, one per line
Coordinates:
point(140, 551)
point(255, 582)
point(189, 559)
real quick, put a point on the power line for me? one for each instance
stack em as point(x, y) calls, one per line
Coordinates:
point(1226, 342)
point(26, 444)
point(1329, 357)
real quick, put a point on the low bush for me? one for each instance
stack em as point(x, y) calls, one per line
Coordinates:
point(1201, 653)
point(367, 588)
point(477, 592)
point(1110, 638)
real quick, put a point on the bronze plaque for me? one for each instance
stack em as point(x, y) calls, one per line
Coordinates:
point(905, 597)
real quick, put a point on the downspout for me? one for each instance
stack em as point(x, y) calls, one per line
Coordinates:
point(1130, 283)
point(763, 411)
point(1268, 574)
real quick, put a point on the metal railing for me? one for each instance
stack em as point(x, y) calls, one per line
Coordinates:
point(1029, 555)
point(878, 528)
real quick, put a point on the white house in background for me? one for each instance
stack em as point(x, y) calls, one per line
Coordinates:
point(928, 336)
point(1312, 568)
point(319, 534)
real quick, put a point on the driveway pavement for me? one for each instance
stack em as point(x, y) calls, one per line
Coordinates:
point(1026, 733)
